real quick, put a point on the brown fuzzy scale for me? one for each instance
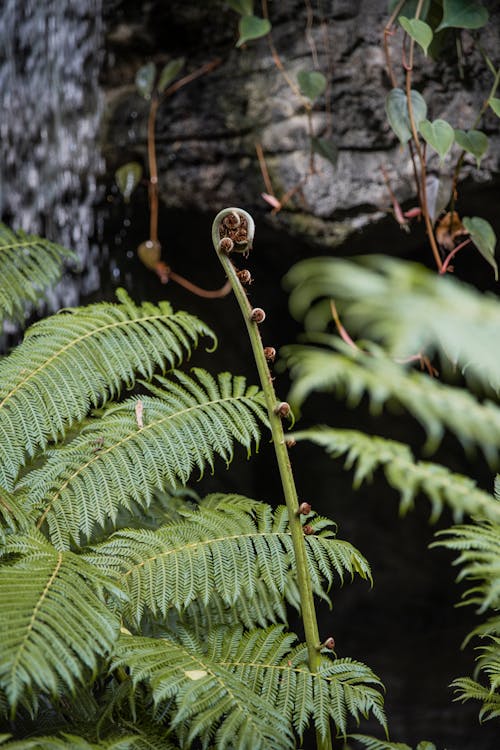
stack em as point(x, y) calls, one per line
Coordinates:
point(245, 276)
point(235, 227)
point(257, 315)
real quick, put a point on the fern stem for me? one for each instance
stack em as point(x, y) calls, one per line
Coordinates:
point(307, 607)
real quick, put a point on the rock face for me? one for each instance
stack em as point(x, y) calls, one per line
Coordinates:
point(207, 132)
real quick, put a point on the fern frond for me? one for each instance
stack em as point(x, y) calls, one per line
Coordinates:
point(436, 406)
point(77, 360)
point(54, 622)
point(185, 424)
point(479, 558)
point(468, 689)
point(249, 690)
point(69, 741)
point(28, 267)
point(223, 552)
point(406, 308)
point(366, 453)
point(14, 515)
point(372, 743)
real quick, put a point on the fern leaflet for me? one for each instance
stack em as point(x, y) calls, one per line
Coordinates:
point(219, 551)
point(406, 308)
point(78, 359)
point(185, 423)
point(251, 689)
point(54, 622)
point(436, 406)
point(28, 267)
point(366, 453)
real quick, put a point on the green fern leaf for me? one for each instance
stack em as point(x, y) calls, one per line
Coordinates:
point(77, 360)
point(187, 422)
point(221, 552)
point(366, 453)
point(354, 373)
point(69, 741)
point(249, 690)
point(372, 743)
point(479, 558)
point(404, 307)
point(468, 689)
point(29, 266)
point(54, 622)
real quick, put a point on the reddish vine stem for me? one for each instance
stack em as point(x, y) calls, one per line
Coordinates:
point(408, 66)
point(451, 255)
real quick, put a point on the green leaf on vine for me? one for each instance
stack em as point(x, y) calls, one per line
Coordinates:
point(252, 27)
point(127, 178)
point(169, 72)
point(463, 14)
point(495, 105)
point(482, 235)
point(312, 83)
point(420, 31)
point(145, 78)
point(438, 134)
point(473, 141)
point(396, 107)
point(326, 149)
point(244, 7)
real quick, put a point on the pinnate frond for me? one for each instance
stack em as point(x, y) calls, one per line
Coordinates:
point(54, 622)
point(406, 308)
point(479, 559)
point(249, 690)
point(372, 743)
point(366, 453)
point(353, 373)
point(116, 460)
point(29, 266)
point(75, 361)
point(70, 741)
point(468, 689)
point(220, 551)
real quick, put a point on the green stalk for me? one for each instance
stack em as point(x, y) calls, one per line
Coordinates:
point(308, 611)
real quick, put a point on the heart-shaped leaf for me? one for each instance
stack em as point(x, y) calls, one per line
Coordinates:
point(473, 141)
point(243, 7)
point(482, 235)
point(252, 27)
point(326, 149)
point(495, 105)
point(311, 83)
point(169, 72)
point(438, 134)
point(127, 178)
point(396, 107)
point(463, 14)
point(145, 78)
point(420, 31)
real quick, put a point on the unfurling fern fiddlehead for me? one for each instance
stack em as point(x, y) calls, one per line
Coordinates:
point(233, 231)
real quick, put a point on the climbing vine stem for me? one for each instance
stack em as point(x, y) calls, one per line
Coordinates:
point(233, 231)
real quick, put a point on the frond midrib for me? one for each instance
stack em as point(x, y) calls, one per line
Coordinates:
point(206, 542)
point(36, 609)
point(198, 406)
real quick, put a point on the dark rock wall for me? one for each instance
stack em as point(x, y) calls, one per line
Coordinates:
point(207, 131)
